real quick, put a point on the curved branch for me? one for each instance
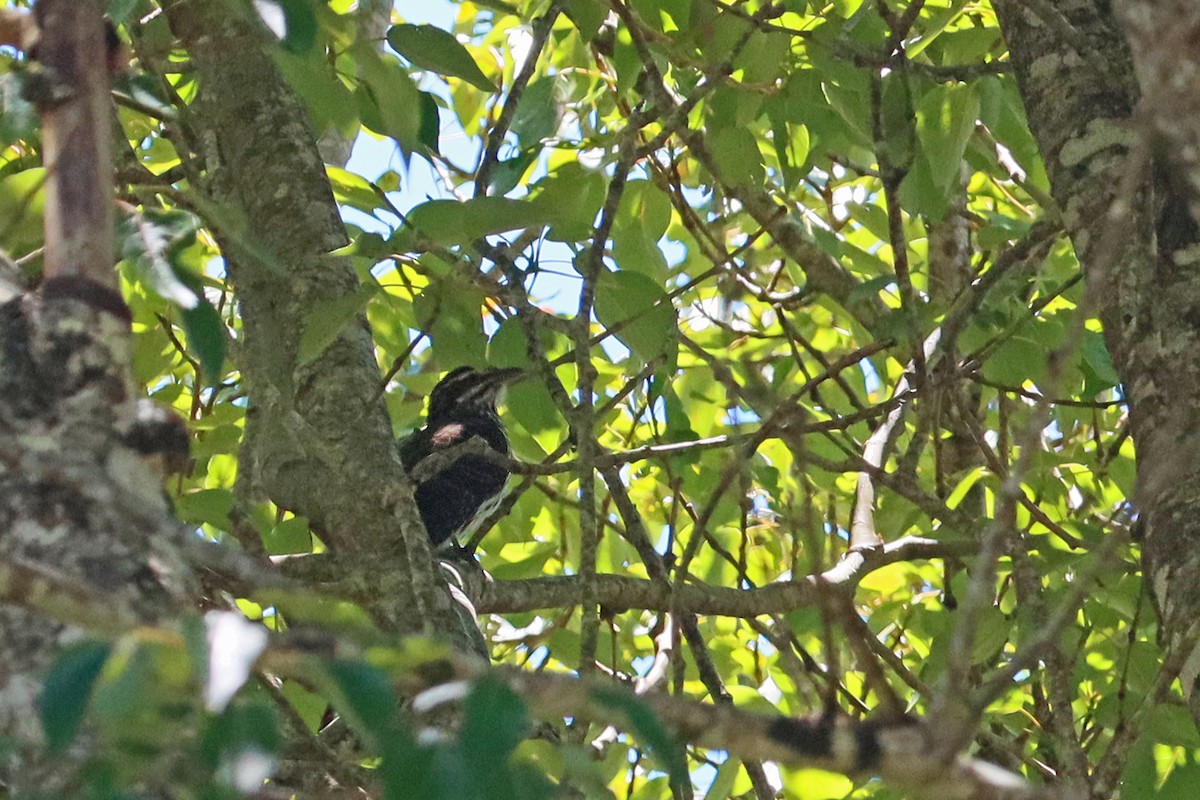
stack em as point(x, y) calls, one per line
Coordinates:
point(619, 591)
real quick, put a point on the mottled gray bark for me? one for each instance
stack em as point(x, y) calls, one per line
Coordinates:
point(319, 438)
point(1124, 196)
point(74, 498)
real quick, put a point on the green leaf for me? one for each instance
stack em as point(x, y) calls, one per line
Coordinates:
point(330, 103)
point(896, 121)
point(817, 784)
point(206, 336)
point(431, 125)
point(323, 323)
point(288, 537)
point(571, 197)
point(209, 506)
point(388, 99)
point(309, 705)
point(640, 308)
point(508, 172)
point(151, 242)
point(946, 117)
point(449, 312)
point(1015, 361)
point(992, 630)
point(722, 785)
point(1180, 784)
point(738, 159)
point(22, 206)
point(452, 222)
point(1097, 366)
point(648, 728)
point(67, 689)
point(538, 113)
point(495, 722)
point(432, 48)
point(367, 698)
point(353, 190)
point(1139, 778)
point(300, 23)
point(588, 16)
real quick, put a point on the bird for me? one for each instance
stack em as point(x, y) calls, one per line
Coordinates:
point(455, 499)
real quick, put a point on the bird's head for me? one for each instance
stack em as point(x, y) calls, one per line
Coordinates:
point(466, 389)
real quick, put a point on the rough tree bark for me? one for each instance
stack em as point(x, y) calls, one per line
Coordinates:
point(1122, 179)
point(76, 499)
point(319, 439)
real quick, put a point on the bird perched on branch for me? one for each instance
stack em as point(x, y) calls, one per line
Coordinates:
point(455, 498)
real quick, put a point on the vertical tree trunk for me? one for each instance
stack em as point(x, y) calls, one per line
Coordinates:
point(1135, 239)
point(75, 499)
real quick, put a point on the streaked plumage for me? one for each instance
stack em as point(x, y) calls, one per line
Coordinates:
point(456, 498)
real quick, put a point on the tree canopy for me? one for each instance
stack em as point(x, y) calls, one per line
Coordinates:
point(842, 321)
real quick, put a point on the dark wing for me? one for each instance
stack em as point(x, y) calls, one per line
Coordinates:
point(449, 500)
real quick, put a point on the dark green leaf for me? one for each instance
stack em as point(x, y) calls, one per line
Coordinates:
point(367, 698)
point(588, 16)
point(495, 723)
point(206, 337)
point(507, 173)
point(67, 689)
point(431, 125)
point(118, 10)
point(1097, 366)
point(241, 728)
point(411, 770)
point(434, 49)
point(146, 92)
point(301, 22)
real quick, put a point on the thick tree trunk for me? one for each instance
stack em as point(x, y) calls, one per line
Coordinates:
point(319, 437)
point(1125, 204)
point(77, 502)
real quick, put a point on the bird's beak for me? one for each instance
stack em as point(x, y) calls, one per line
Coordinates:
point(506, 376)
point(503, 377)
